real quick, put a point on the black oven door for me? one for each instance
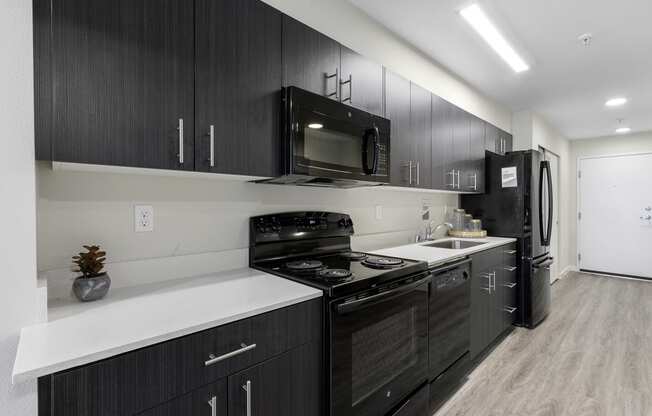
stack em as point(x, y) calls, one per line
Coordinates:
point(330, 139)
point(379, 351)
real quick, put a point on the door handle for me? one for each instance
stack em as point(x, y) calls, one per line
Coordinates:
point(180, 130)
point(211, 135)
point(213, 404)
point(336, 75)
point(350, 82)
point(247, 387)
point(214, 360)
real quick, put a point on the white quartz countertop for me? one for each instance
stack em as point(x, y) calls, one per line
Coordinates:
point(131, 318)
point(435, 256)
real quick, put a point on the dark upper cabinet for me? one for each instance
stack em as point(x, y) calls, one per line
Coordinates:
point(121, 76)
point(311, 60)
point(460, 163)
point(497, 140)
point(507, 141)
point(361, 82)
point(397, 110)
point(421, 135)
point(474, 180)
point(442, 143)
point(238, 81)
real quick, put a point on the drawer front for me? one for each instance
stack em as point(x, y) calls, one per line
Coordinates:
point(206, 401)
point(139, 380)
point(510, 255)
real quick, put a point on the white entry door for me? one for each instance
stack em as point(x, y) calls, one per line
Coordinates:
point(615, 215)
point(554, 235)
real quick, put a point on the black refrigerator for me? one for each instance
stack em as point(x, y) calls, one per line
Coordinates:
point(518, 203)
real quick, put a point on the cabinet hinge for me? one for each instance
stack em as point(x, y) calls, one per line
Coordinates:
point(579, 257)
point(579, 174)
point(579, 215)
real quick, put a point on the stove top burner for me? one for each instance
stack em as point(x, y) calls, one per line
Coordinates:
point(382, 262)
point(335, 275)
point(354, 255)
point(304, 265)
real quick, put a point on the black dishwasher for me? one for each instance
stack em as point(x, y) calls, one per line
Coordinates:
point(449, 320)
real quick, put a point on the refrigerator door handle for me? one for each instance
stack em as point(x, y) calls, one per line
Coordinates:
point(545, 235)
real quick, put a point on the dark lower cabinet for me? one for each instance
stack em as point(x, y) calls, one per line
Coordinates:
point(238, 77)
point(287, 385)
point(493, 296)
point(415, 405)
point(497, 140)
point(186, 373)
point(119, 82)
point(206, 401)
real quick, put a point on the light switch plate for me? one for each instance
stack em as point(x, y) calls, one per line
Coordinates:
point(143, 218)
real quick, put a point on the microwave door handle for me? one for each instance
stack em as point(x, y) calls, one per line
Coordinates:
point(370, 170)
point(358, 304)
point(376, 134)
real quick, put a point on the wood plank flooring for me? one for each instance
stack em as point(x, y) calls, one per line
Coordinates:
point(591, 356)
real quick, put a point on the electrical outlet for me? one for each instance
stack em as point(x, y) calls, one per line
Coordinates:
point(143, 218)
point(379, 212)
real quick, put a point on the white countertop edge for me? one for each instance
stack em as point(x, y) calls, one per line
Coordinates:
point(19, 375)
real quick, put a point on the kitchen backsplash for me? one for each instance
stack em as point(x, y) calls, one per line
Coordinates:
point(200, 225)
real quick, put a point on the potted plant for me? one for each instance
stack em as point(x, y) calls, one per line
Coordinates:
point(93, 284)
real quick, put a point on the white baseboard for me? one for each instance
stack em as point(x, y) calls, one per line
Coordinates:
point(567, 270)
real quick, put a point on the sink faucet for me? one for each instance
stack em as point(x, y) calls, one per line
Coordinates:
point(430, 232)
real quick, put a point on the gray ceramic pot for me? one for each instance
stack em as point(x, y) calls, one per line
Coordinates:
point(92, 288)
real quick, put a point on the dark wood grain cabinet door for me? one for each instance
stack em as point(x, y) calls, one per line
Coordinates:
point(508, 141)
point(491, 139)
point(480, 302)
point(421, 135)
point(287, 385)
point(460, 163)
point(122, 79)
point(238, 85)
point(206, 401)
point(311, 60)
point(397, 93)
point(474, 180)
point(361, 82)
point(442, 144)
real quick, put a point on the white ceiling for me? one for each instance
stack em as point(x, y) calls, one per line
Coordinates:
point(567, 83)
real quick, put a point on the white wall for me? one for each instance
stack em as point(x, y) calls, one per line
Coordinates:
point(531, 131)
point(602, 146)
point(199, 216)
point(18, 294)
point(350, 26)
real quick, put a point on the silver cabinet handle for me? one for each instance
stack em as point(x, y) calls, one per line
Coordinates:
point(510, 252)
point(213, 359)
point(509, 309)
point(458, 179)
point(410, 167)
point(213, 404)
point(510, 269)
point(350, 82)
point(336, 76)
point(475, 182)
point(493, 276)
point(418, 172)
point(509, 285)
point(247, 387)
point(452, 174)
point(211, 135)
point(180, 129)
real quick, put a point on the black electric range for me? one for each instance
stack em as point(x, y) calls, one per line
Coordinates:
point(375, 308)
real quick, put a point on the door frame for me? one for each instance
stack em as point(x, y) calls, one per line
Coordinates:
point(578, 205)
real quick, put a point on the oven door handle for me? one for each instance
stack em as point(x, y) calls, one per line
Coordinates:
point(357, 304)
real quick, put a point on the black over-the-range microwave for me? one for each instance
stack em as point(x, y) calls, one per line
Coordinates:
point(327, 143)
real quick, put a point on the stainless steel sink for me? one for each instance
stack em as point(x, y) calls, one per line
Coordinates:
point(454, 244)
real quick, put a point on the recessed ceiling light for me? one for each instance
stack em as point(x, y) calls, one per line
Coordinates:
point(623, 130)
point(474, 15)
point(315, 126)
point(616, 102)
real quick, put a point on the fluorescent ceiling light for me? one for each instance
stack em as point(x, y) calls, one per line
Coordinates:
point(623, 130)
point(616, 102)
point(315, 126)
point(474, 15)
